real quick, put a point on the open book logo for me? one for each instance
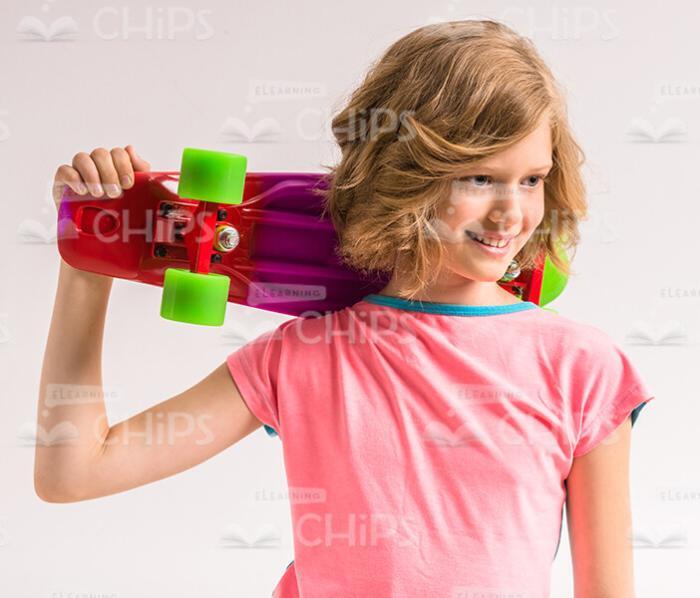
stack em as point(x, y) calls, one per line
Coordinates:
point(34, 232)
point(439, 434)
point(237, 335)
point(266, 536)
point(31, 434)
point(4, 330)
point(4, 533)
point(266, 129)
point(4, 128)
point(665, 333)
point(643, 131)
point(34, 28)
point(453, 8)
point(673, 537)
point(602, 226)
point(234, 335)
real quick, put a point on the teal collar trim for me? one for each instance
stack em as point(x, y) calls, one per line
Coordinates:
point(452, 309)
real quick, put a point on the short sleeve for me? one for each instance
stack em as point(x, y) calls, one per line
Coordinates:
point(612, 389)
point(255, 368)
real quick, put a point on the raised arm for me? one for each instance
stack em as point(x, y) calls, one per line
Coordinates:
point(78, 454)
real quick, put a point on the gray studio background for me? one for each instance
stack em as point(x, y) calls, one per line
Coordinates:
point(79, 75)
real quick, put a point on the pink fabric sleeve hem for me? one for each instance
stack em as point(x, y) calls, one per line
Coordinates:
point(238, 368)
point(609, 420)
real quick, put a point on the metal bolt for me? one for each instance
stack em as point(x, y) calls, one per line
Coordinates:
point(165, 209)
point(227, 238)
point(160, 251)
point(216, 258)
point(221, 214)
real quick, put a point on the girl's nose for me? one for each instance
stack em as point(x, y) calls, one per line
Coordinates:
point(505, 209)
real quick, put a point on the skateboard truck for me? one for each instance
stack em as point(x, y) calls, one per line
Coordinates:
point(198, 296)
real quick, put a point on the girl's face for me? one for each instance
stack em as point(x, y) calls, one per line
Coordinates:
point(500, 198)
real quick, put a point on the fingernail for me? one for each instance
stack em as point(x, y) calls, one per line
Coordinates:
point(113, 190)
point(126, 180)
point(97, 190)
point(81, 189)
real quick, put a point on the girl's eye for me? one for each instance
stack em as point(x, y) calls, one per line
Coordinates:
point(474, 177)
point(480, 180)
point(537, 180)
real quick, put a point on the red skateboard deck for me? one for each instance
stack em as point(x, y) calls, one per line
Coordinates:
point(276, 246)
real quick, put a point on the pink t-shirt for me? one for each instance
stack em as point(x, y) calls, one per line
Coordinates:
point(426, 444)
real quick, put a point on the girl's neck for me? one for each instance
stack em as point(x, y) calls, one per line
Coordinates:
point(466, 292)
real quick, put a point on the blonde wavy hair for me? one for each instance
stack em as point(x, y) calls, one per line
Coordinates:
point(440, 98)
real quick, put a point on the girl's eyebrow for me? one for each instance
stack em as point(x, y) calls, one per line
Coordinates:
point(496, 170)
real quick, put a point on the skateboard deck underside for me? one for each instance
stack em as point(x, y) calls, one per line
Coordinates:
point(285, 260)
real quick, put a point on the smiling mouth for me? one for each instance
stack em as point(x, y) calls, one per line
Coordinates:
point(501, 244)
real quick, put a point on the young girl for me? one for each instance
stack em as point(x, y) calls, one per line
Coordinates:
point(434, 431)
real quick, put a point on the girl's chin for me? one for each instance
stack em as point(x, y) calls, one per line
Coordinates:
point(483, 274)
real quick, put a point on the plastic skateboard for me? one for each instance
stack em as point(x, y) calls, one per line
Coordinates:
point(212, 234)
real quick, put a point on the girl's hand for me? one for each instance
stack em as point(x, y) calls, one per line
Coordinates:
point(99, 173)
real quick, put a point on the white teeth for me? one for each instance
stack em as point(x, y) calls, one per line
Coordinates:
point(490, 242)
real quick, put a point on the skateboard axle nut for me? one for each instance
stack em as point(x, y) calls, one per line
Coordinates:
point(227, 238)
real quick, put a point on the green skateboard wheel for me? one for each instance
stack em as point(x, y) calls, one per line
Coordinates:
point(207, 175)
point(553, 280)
point(194, 298)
